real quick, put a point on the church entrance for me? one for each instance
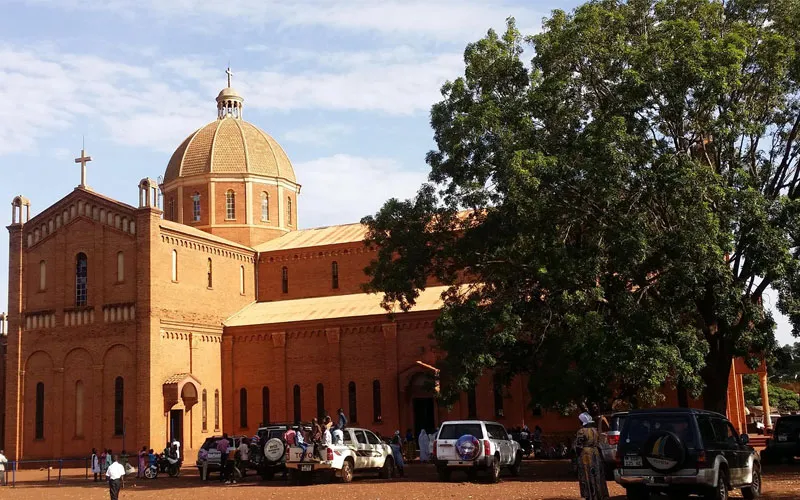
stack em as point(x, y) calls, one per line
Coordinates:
point(176, 426)
point(424, 417)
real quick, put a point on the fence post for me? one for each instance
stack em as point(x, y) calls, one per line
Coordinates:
point(60, 468)
point(48, 471)
point(14, 474)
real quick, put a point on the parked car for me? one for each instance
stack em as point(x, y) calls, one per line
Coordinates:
point(362, 451)
point(609, 441)
point(685, 451)
point(785, 441)
point(208, 453)
point(475, 445)
point(271, 457)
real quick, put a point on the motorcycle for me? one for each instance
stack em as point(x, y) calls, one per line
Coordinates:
point(171, 466)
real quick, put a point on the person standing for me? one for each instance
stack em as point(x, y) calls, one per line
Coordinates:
point(142, 462)
point(222, 447)
point(342, 423)
point(3, 462)
point(109, 458)
point(95, 465)
point(244, 456)
point(397, 451)
point(114, 475)
point(591, 470)
point(424, 443)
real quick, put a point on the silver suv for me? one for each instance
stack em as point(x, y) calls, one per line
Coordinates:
point(475, 445)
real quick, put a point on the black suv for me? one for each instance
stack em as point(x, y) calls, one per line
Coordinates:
point(271, 455)
point(684, 451)
point(785, 442)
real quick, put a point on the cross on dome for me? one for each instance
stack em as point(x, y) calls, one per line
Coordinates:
point(83, 159)
point(229, 102)
point(230, 74)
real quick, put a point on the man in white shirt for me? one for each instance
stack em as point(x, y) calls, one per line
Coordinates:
point(244, 456)
point(3, 462)
point(114, 474)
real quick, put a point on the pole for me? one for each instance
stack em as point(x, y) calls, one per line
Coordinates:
point(60, 468)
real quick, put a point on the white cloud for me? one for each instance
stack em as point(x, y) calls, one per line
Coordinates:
point(317, 135)
point(346, 188)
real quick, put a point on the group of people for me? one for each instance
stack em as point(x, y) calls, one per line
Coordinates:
point(319, 434)
point(101, 462)
point(232, 460)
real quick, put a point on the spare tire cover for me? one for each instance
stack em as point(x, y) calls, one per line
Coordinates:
point(274, 450)
point(664, 451)
point(468, 447)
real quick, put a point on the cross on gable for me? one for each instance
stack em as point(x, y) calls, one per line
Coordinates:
point(83, 160)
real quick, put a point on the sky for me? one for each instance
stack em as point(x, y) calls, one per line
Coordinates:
point(345, 86)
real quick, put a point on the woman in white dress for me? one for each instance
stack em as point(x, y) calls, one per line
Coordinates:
point(95, 465)
point(424, 444)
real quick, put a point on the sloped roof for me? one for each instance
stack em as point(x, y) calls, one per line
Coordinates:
point(197, 233)
point(317, 236)
point(320, 308)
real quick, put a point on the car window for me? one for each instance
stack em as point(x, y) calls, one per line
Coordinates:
point(787, 425)
point(706, 430)
point(360, 437)
point(732, 436)
point(638, 428)
point(723, 431)
point(496, 432)
point(209, 444)
point(347, 438)
point(455, 431)
point(616, 422)
point(276, 433)
point(373, 439)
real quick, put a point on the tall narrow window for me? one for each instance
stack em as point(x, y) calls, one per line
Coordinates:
point(79, 408)
point(243, 408)
point(119, 406)
point(285, 280)
point(498, 397)
point(196, 207)
point(171, 209)
point(230, 205)
point(320, 402)
point(264, 207)
point(42, 276)
point(376, 401)
point(174, 265)
point(334, 275)
point(210, 274)
point(352, 405)
point(205, 410)
point(40, 410)
point(120, 267)
point(472, 404)
point(241, 280)
point(297, 403)
point(289, 211)
point(264, 405)
point(216, 410)
point(81, 272)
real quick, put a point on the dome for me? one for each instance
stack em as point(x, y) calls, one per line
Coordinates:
point(229, 145)
point(228, 92)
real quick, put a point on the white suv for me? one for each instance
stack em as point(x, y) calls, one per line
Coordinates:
point(475, 445)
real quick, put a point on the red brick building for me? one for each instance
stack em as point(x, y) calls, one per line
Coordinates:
point(131, 325)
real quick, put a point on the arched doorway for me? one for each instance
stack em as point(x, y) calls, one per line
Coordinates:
point(422, 401)
point(180, 395)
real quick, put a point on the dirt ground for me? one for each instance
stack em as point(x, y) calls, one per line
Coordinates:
point(540, 480)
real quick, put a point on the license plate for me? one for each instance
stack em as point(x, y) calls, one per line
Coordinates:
point(782, 437)
point(632, 461)
point(306, 468)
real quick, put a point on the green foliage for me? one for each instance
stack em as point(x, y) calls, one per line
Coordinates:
point(785, 366)
point(779, 398)
point(631, 193)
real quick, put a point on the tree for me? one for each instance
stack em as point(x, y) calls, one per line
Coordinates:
point(779, 398)
point(785, 366)
point(620, 205)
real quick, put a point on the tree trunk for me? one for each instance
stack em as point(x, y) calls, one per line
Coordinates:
point(715, 376)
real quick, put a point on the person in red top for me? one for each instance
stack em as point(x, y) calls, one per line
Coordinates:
point(222, 447)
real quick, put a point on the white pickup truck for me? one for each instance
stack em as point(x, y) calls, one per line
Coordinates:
point(362, 451)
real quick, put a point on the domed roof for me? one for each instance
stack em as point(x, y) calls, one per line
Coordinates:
point(229, 145)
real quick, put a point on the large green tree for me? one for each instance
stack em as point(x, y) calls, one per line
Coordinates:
point(631, 191)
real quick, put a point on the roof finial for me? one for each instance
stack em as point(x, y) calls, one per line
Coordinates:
point(230, 74)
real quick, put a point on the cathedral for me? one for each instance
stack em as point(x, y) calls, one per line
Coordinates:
point(206, 309)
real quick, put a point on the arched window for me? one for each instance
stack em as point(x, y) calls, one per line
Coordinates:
point(264, 207)
point(289, 211)
point(42, 276)
point(205, 410)
point(376, 401)
point(264, 405)
point(285, 280)
point(40, 410)
point(196, 207)
point(230, 205)
point(243, 408)
point(171, 209)
point(79, 408)
point(472, 405)
point(120, 267)
point(119, 406)
point(174, 265)
point(81, 273)
point(334, 275)
point(216, 410)
point(498, 397)
point(352, 405)
point(210, 274)
point(241, 280)
point(296, 403)
point(320, 402)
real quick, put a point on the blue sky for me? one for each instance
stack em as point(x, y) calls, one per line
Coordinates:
point(344, 86)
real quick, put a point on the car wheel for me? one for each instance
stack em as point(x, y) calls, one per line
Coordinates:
point(387, 469)
point(720, 490)
point(494, 470)
point(754, 490)
point(268, 475)
point(347, 470)
point(472, 474)
point(637, 493)
point(444, 474)
point(516, 466)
